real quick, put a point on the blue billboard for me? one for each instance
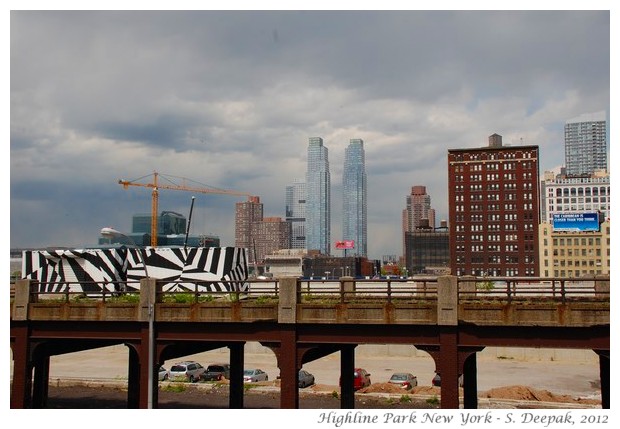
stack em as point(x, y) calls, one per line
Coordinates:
point(576, 222)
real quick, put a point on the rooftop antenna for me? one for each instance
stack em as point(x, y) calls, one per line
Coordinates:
point(189, 221)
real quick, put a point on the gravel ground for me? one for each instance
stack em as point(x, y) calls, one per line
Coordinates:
point(81, 397)
point(267, 396)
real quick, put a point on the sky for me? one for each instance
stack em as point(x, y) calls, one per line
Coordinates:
point(229, 99)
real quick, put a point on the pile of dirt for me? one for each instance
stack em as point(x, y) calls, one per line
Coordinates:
point(517, 393)
point(383, 388)
point(525, 393)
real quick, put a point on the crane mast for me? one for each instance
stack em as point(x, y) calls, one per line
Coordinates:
point(156, 186)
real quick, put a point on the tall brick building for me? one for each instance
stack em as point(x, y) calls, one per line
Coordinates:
point(494, 211)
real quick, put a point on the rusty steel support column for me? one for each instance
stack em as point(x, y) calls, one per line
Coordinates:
point(237, 362)
point(449, 368)
point(287, 361)
point(470, 382)
point(133, 378)
point(143, 366)
point(603, 362)
point(41, 379)
point(21, 389)
point(447, 319)
point(347, 370)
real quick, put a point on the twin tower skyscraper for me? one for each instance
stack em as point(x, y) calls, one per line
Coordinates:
point(308, 205)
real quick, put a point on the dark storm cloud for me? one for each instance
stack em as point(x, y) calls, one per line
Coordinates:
point(229, 98)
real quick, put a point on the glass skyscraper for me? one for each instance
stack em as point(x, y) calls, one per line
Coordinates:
point(318, 197)
point(296, 213)
point(354, 197)
point(585, 144)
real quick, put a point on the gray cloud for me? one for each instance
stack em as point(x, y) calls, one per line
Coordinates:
point(229, 99)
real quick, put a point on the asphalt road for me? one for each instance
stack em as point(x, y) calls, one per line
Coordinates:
point(556, 373)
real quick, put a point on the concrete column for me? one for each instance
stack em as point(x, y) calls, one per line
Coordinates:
point(22, 299)
point(348, 287)
point(447, 301)
point(148, 372)
point(287, 304)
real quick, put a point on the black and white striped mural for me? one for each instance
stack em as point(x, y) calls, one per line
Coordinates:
point(205, 269)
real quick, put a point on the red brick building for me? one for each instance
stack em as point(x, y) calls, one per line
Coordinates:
point(494, 210)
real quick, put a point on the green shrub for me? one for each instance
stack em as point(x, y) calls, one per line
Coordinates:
point(433, 400)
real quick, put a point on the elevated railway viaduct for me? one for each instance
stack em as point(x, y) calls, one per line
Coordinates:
point(451, 318)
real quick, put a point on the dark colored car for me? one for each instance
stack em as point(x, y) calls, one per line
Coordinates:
point(305, 378)
point(216, 372)
point(437, 380)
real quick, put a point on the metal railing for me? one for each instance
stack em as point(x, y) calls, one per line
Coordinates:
point(528, 288)
point(338, 290)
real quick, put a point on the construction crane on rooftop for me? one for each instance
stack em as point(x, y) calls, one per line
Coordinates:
point(155, 185)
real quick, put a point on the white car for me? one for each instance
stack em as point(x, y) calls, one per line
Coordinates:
point(254, 375)
point(163, 374)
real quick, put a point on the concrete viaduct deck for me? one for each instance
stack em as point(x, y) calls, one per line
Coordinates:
point(451, 318)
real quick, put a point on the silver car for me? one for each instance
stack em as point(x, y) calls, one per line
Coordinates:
point(187, 371)
point(163, 374)
point(405, 380)
point(254, 375)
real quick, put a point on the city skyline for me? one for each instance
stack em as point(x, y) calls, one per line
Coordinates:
point(230, 98)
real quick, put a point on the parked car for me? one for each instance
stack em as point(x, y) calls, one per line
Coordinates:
point(305, 378)
point(217, 371)
point(361, 378)
point(437, 380)
point(163, 374)
point(187, 371)
point(406, 380)
point(254, 375)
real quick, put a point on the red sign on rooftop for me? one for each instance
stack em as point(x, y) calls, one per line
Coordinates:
point(345, 244)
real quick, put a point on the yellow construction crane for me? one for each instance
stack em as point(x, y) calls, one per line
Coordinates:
point(156, 186)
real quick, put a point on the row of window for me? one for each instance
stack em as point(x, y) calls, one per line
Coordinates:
point(493, 186)
point(576, 273)
point(579, 192)
point(492, 177)
point(492, 207)
point(494, 166)
point(495, 227)
point(491, 156)
point(494, 259)
point(496, 272)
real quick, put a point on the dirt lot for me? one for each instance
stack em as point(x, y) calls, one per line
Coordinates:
point(267, 395)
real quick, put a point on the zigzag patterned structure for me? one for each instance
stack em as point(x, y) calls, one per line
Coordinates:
point(202, 269)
